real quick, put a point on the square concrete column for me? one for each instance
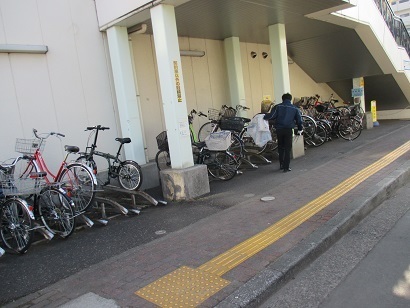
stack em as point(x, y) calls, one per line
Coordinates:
point(126, 93)
point(280, 71)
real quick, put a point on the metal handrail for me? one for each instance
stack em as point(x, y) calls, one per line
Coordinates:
point(395, 24)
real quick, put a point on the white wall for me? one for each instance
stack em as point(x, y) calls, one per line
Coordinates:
point(65, 90)
point(206, 83)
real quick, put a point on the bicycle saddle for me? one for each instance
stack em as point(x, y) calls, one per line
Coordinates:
point(123, 140)
point(71, 148)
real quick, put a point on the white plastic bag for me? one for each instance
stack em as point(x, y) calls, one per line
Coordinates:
point(258, 129)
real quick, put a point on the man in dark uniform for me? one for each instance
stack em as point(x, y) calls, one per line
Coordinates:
point(286, 117)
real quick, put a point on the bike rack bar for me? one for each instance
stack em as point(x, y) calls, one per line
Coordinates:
point(47, 234)
point(2, 252)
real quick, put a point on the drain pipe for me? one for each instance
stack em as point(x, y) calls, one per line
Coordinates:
point(149, 5)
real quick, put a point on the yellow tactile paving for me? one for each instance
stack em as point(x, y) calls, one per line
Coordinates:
point(184, 287)
point(188, 287)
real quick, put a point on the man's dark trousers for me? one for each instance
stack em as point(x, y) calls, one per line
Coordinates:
point(285, 138)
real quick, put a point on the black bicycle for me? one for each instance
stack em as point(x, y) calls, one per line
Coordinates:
point(127, 172)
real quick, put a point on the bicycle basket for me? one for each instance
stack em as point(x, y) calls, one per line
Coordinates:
point(233, 123)
point(162, 141)
point(29, 146)
point(229, 112)
point(218, 141)
point(16, 187)
point(321, 108)
point(214, 114)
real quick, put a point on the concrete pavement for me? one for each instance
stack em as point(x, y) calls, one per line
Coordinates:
point(236, 256)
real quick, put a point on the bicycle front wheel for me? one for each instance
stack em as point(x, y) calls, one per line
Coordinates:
point(16, 225)
point(350, 129)
point(319, 137)
point(130, 175)
point(163, 160)
point(80, 184)
point(221, 165)
point(56, 210)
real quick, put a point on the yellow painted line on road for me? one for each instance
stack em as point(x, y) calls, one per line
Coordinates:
point(187, 287)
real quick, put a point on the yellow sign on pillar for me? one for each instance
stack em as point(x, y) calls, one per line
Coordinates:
point(374, 113)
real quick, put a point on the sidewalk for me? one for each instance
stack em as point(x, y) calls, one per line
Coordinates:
point(232, 258)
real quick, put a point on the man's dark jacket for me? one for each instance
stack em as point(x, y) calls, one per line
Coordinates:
point(286, 115)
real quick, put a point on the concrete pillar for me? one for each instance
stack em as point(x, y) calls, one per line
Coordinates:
point(126, 95)
point(280, 68)
point(172, 85)
point(235, 73)
point(280, 71)
point(184, 181)
point(359, 83)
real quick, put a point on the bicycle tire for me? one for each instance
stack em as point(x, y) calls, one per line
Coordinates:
point(163, 160)
point(89, 162)
point(237, 147)
point(22, 170)
point(206, 129)
point(250, 146)
point(16, 225)
point(80, 183)
point(130, 175)
point(56, 211)
point(319, 137)
point(350, 129)
point(221, 165)
point(309, 126)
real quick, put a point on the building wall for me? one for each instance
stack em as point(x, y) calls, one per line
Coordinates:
point(206, 83)
point(65, 90)
point(401, 8)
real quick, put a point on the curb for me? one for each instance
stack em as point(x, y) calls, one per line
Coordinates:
point(268, 281)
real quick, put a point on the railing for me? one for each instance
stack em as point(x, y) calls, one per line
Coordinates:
point(395, 24)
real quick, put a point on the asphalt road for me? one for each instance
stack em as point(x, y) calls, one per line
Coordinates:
point(48, 262)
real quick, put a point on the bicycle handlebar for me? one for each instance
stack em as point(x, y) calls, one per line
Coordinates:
point(48, 135)
point(239, 107)
point(97, 127)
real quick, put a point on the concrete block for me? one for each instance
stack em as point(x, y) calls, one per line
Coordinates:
point(185, 184)
point(368, 121)
point(298, 147)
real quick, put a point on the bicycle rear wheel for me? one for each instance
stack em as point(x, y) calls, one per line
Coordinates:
point(80, 184)
point(207, 129)
point(56, 210)
point(130, 175)
point(16, 225)
point(163, 160)
point(221, 165)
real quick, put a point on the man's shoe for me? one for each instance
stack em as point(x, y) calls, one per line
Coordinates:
point(287, 170)
point(281, 167)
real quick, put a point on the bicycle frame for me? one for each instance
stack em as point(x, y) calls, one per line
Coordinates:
point(116, 160)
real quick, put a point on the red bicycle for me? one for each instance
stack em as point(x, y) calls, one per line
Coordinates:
point(74, 177)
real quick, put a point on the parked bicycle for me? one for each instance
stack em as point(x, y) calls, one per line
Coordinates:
point(18, 216)
point(163, 159)
point(128, 172)
point(76, 178)
point(221, 164)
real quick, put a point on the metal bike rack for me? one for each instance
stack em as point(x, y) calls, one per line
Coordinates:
point(103, 202)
